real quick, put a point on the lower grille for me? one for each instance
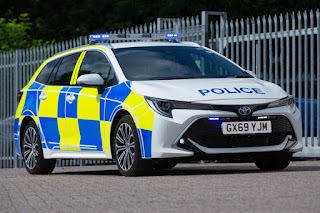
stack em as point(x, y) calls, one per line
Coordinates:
point(209, 134)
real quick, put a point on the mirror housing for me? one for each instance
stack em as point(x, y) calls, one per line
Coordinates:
point(90, 80)
point(251, 73)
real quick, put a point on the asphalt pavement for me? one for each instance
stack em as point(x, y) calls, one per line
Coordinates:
point(213, 187)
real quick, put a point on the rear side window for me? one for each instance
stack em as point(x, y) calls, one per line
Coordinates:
point(96, 62)
point(64, 72)
point(46, 71)
point(53, 73)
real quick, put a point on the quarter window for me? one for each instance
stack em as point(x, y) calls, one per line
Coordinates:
point(96, 62)
point(46, 71)
point(53, 73)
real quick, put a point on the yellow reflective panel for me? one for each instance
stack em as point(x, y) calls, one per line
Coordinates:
point(21, 105)
point(141, 109)
point(49, 106)
point(135, 118)
point(75, 73)
point(89, 104)
point(107, 131)
point(133, 100)
point(146, 121)
point(73, 134)
point(63, 133)
point(102, 133)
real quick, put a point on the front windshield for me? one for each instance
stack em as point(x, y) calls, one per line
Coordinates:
point(174, 62)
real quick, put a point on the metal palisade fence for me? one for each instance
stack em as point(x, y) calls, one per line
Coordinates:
point(284, 49)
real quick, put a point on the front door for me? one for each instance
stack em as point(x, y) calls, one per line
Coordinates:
point(87, 110)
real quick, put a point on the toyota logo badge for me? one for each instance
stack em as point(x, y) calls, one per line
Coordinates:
point(244, 110)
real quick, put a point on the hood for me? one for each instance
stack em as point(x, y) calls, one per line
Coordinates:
point(213, 91)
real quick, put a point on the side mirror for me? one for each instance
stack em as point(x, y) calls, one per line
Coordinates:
point(93, 80)
point(251, 73)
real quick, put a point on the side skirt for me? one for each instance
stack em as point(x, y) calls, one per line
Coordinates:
point(66, 154)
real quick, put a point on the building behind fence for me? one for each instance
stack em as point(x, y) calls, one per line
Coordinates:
point(283, 49)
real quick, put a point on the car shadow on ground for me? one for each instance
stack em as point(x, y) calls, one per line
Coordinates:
point(195, 170)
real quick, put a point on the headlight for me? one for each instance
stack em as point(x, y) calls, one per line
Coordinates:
point(288, 101)
point(164, 107)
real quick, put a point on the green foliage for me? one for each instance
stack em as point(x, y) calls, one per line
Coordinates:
point(14, 33)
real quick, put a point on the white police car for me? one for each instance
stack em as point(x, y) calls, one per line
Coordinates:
point(151, 104)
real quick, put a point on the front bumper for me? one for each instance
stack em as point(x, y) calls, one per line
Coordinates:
point(167, 133)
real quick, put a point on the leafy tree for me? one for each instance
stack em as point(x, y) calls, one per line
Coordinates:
point(14, 33)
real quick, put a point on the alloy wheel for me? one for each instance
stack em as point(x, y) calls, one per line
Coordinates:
point(124, 146)
point(30, 147)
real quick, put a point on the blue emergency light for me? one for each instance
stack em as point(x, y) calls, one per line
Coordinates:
point(96, 38)
point(172, 35)
point(214, 118)
point(99, 36)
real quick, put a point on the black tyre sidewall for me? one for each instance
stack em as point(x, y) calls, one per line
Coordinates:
point(164, 164)
point(43, 166)
point(273, 160)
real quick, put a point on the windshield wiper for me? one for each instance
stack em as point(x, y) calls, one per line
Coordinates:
point(172, 78)
point(241, 76)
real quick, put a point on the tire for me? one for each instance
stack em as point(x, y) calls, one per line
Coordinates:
point(272, 160)
point(164, 164)
point(32, 151)
point(126, 149)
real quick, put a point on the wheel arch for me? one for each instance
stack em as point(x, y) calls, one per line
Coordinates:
point(117, 116)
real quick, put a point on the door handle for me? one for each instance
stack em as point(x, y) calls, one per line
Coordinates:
point(43, 96)
point(70, 98)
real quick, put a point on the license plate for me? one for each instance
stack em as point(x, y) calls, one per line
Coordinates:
point(246, 127)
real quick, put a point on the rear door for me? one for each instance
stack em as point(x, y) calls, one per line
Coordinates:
point(52, 96)
point(69, 137)
point(48, 96)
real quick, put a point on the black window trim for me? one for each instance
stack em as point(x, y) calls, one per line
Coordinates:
point(74, 52)
point(59, 62)
point(112, 68)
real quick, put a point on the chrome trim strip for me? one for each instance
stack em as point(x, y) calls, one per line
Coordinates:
point(241, 149)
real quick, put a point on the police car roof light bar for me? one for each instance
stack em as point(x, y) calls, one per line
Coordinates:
point(100, 38)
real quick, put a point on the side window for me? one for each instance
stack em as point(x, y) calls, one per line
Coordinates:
point(96, 62)
point(64, 73)
point(53, 73)
point(46, 71)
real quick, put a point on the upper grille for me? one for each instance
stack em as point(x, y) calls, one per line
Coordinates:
point(209, 134)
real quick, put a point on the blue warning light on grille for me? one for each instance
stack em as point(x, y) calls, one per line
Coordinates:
point(214, 119)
